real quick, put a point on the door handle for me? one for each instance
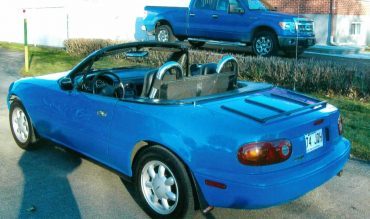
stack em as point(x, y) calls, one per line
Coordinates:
point(215, 16)
point(101, 113)
point(192, 14)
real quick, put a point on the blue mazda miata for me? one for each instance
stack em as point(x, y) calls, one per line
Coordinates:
point(187, 135)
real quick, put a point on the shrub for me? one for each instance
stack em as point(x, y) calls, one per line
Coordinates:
point(306, 75)
point(83, 47)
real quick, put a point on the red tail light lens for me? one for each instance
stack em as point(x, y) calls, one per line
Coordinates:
point(340, 125)
point(265, 153)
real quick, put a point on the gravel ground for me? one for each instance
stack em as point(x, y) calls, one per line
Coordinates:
point(50, 182)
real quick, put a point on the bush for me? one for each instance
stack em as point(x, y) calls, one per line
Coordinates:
point(306, 75)
point(83, 47)
point(333, 78)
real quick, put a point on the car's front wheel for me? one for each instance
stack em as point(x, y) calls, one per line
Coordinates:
point(163, 184)
point(21, 126)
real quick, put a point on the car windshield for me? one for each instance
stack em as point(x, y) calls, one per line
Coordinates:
point(259, 5)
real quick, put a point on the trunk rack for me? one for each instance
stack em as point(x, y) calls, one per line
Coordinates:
point(317, 105)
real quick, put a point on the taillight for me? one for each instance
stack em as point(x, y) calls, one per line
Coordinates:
point(340, 125)
point(265, 153)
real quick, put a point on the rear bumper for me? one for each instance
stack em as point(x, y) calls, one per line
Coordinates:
point(278, 187)
point(290, 42)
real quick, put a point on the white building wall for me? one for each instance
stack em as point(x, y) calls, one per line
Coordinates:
point(50, 22)
point(343, 35)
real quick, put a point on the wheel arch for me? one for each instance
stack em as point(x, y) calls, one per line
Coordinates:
point(140, 146)
point(161, 22)
point(263, 28)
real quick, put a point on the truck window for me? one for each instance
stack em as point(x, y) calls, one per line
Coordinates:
point(257, 5)
point(205, 4)
point(223, 5)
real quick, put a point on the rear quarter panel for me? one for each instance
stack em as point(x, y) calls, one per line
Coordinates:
point(177, 17)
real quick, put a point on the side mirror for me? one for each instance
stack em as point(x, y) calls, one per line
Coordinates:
point(66, 83)
point(235, 10)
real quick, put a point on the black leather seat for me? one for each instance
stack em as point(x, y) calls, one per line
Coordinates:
point(148, 83)
point(208, 69)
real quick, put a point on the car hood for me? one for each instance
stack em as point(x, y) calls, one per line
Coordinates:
point(277, 15)
point(53, 76)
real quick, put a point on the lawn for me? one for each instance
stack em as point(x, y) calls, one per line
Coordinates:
point(356, 114)
point(44, 59)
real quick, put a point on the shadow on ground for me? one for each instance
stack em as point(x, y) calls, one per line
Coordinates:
point(48, 165)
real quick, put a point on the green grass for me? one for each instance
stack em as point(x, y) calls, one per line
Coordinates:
point(356, 113)
point(356, 119)
point(44, 59)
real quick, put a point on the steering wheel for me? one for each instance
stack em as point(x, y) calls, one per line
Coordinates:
point(116, 86)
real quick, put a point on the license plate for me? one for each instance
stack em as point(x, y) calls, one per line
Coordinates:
point(314, 140)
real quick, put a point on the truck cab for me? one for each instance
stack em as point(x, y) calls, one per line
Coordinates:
point(244, 22)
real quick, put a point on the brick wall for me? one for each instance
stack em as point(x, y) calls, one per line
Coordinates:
point(342, 7)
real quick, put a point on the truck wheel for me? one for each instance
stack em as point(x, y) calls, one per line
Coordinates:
point(292, 53)
point(162, 184)
point(21, 126)
point(164, 33)
point(265, 44)
point(196, 44)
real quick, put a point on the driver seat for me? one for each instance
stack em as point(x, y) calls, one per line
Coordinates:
point(148, 83)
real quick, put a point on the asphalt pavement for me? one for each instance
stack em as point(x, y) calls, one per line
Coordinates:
point(50, 182)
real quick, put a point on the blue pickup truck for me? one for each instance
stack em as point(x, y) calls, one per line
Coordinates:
point(244, 22)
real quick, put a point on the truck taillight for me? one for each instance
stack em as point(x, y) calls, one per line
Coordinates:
point(340, 125)
point(265, 153)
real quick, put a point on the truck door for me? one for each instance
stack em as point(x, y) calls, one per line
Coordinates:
point(230, 22)
point(201, 22)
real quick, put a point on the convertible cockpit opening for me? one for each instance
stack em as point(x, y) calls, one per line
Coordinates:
point(154, 71)
point(169, 82)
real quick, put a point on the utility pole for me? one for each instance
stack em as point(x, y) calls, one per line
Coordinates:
point(26, 59)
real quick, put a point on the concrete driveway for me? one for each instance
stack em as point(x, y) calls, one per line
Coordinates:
point(50, 182)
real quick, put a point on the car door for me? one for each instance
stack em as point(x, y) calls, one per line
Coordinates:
point(200, 18)
point(88, 127)
point(78, 120)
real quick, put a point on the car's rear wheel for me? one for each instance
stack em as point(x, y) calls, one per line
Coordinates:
point(163, 33)
point(163, 184)
point(21, 126)
point(265, 44)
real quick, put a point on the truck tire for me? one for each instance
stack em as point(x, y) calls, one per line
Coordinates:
point(163, 33)
point(265, 44)
point(196, 44)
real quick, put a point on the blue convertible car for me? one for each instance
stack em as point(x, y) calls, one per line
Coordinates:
point(187, 135)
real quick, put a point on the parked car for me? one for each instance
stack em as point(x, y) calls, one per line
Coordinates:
point(187, 135)
point(247, 22)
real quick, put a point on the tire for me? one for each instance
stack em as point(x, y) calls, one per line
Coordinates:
point(265, 44)
point(292, 53)
point(177, 193)
point(164, 33)
point(21, 126)
point(197, 44)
